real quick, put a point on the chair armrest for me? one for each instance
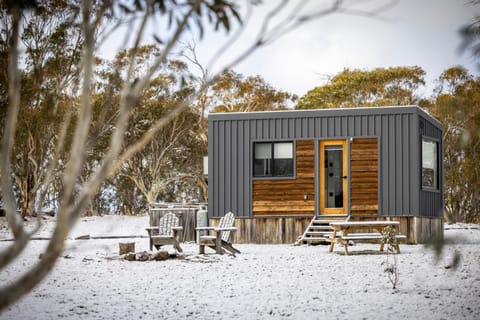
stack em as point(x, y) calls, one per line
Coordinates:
point(226, 229)
point(151, 228)
point(177, 228)
point(204, 228)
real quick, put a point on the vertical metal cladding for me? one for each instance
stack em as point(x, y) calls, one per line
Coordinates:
point(399, 131)
point(431, 202)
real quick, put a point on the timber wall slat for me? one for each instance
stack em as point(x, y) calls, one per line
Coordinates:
point(364, 177)
point(286, 196)
point(270, 230)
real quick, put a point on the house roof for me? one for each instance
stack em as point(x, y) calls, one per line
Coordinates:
point(326, 113)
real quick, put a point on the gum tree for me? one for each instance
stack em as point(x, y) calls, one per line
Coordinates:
point(74, 139)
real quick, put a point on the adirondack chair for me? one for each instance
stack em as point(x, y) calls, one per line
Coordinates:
point(167, 232)
point(218, 238)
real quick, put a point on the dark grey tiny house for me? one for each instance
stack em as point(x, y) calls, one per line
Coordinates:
point(276, 170)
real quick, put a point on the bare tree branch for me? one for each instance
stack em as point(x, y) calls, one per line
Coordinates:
point(14, 221)
point(76, 196)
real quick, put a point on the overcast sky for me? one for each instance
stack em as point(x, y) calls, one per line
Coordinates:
point(413, 32)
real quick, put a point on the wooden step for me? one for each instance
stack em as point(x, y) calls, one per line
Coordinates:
point(321, 228)
point(312, 239)
point(317, 233)
point(324, 222)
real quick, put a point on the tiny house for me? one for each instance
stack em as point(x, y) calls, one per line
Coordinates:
point(277, 170)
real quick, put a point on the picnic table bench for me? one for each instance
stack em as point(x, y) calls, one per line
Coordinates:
point(345, 231)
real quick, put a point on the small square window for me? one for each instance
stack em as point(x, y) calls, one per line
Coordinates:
point(273, 159)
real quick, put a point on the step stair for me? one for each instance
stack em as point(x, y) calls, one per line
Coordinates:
point(316, 232)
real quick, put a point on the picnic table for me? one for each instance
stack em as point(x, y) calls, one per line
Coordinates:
point(345, 231)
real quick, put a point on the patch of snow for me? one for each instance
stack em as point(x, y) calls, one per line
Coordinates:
point(90, 280)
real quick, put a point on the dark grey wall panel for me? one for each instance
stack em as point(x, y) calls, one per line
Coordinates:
point(399, 130)
point(431, 203)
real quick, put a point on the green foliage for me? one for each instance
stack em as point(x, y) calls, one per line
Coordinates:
point(52, 36)
point(457, 106)
point(52, 52)
point(232, 92)
point(220, 14)
point(156, 172)
point(471, 35)
point(358, 88)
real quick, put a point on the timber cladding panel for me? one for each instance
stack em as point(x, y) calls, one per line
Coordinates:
point(286, 196)
point(364, 177)
point(267, 230)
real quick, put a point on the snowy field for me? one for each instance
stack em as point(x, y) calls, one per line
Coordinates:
point(263, 282)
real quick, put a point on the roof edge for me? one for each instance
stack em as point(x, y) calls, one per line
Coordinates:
point(280, 114)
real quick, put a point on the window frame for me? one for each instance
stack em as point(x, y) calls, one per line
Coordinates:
point(272, 159)
point(435, 187)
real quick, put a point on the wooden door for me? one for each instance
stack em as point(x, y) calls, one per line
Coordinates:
point(333, 177)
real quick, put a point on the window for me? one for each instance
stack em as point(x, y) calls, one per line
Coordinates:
point(429, 164)
point(273, 159)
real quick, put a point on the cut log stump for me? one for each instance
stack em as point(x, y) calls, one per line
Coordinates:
point(126, 247)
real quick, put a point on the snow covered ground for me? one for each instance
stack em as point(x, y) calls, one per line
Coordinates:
point(264, 282)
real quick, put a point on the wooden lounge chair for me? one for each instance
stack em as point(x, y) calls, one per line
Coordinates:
point(220, 239)
point(167, 232)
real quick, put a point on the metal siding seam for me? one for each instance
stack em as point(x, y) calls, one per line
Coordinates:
point(364, 130)
point(382, 147)
point(221, 166)
point(241, 169)
point(399, 146)
point(354, 126)
point(304, 128)
point(298, 128)
point(261, 132)
point(391, 166)
point(226, 151)
point(247, 172)
point(338, 127)
point(324, 128)
point(330, 127)
point(406, 165)
point(219, 150)
point(271, 129)
point(266, 129)
point(291, 128)
point(278, 128)
point(311, 127)
point(415, 174)
point(258, 129)
point(386, 164)
point(229, 169)
point(318, 127)
point(234, 181)
point(272, 132)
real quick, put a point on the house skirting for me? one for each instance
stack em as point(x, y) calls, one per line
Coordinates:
point(285, 230)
